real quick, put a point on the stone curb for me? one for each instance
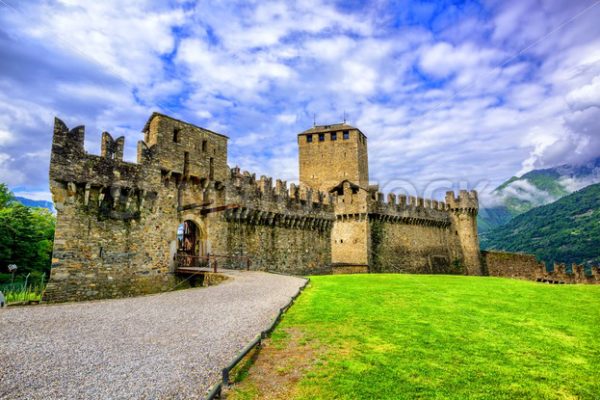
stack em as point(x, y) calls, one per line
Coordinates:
point(215, 391)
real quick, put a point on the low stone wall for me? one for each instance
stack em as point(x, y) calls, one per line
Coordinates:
point(512, 265)
point(526, 266)
point(561, 273)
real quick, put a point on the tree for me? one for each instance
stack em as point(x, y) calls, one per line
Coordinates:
point(6, 197)
point(26, 236)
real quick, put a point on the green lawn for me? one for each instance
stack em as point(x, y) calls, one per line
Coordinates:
point(428, 336)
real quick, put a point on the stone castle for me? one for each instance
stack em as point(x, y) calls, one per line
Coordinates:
point(130, 228)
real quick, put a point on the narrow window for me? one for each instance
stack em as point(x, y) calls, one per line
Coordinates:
point(333, 135)
point(186, 163)
point(321, 137)
point(308, 138)
point(176, 135)
point(204, 146)
point(346, 135)
point(211, 170)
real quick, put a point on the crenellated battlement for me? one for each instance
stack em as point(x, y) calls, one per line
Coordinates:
point(466, 201)
point(113, 202)
point(574, 273)
point(71, 164)
point(262, 202)
point(408, 209)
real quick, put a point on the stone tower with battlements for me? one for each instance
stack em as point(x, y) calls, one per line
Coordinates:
point(463, 213)
point(329, 154)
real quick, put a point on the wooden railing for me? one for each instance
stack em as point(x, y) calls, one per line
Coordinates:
point(209, 262)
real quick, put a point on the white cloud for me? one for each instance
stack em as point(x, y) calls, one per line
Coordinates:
point(8, 174)
point(585, 96)
point(5, 137)
point(287, 118)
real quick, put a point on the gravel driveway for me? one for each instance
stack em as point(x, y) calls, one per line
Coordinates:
point(170, 345)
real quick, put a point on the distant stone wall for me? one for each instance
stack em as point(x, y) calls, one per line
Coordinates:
point(526, 266)
point(512, 265)
point(571, 274)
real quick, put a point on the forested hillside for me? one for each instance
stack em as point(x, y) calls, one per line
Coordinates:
point(535, 188)
point(567, 230)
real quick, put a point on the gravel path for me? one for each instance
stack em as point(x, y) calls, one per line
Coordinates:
point(164, 346)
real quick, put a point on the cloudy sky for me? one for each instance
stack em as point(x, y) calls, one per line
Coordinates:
point(462, 94)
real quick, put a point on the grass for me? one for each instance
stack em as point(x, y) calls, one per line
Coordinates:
point(432, 337)
point(17, 293)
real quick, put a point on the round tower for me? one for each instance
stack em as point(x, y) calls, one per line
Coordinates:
point(463, 212)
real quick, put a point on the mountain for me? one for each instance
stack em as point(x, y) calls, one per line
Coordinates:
point(35, 203)
point(567, 230)
point(535, 188)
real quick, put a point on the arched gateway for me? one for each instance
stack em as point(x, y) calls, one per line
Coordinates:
point(191, 245)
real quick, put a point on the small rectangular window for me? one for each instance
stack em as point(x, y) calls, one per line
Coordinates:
point(321, 137)
point(346, 135)
point(204, 146)
point(176, 134)
point(308, 138)
point(333, 135)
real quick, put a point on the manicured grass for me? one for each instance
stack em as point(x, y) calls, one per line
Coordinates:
point(427, 336)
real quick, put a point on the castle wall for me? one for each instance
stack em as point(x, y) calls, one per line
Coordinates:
point(104, 253)
point(279, 229)
point(414, 248)
point(282, 249)
point(412, 235)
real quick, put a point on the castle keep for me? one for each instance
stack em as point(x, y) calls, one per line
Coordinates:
point(131, 228)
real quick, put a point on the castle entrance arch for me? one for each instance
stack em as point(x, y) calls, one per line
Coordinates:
point(191, 244)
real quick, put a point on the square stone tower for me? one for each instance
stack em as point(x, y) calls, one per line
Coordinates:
point(330, 154)
point(333, 158)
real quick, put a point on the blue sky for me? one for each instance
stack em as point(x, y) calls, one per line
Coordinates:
point(450, 94)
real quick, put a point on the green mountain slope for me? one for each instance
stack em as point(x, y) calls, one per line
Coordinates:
point(567, 230)
point(35, 203)
point(535, 188)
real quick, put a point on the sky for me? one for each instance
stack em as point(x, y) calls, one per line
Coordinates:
point(451, 94)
